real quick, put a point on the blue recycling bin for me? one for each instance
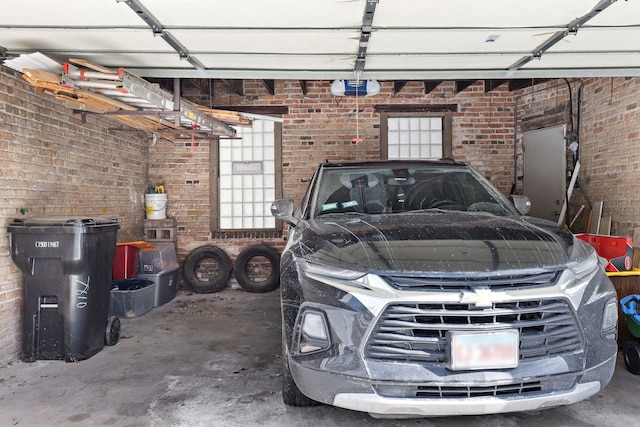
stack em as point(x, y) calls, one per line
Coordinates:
point(66, 266)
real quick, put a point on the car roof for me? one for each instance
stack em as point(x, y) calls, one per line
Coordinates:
point(394, 163)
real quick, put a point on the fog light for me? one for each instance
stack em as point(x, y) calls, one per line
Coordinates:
point(610, 318)
point(314, 333)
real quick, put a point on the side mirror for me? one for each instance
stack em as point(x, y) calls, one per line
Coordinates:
point(283, 209)
point(522, 203)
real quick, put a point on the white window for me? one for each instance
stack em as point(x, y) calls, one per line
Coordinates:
point(415, 138)
point(247, 178)
point(415, 134)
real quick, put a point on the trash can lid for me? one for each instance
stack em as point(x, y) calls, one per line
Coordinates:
point(60, 221)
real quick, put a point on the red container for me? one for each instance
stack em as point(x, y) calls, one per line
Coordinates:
point(617, 250)
point(125, 264)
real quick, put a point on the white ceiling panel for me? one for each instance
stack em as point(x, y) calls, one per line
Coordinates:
point(584, 62)
point(600, 40)
point(72, 40)
point(276, 62)
point(69, 13)
point(327, 39)
point(441, 62)
point(269, 41)
point(622, 13)
point(478, 14)
point(258, 13)
point(454, 42)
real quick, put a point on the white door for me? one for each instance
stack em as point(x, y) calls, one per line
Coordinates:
point(545, 171)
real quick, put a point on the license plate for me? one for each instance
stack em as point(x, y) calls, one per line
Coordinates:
point(483, 350)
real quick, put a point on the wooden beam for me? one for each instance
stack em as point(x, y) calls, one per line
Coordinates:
point(398, 85)
point(415, 108)
point(518, 84)
point(463, 84)
point(303, 86)
point(236, 86)
point(430, 85)
point(490, 85)
point(92, 66)
point(270, 85)
point(255, 109)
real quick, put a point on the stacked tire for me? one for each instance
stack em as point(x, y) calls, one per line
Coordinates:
point(207, 269)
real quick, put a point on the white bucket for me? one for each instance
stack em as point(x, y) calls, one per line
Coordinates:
point(156, 205)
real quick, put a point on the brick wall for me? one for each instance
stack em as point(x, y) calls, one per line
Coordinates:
point(609, 129)
point(610, 150)
point(52, 164)
point(319, 126)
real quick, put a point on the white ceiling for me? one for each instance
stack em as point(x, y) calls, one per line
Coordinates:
point(321, 39)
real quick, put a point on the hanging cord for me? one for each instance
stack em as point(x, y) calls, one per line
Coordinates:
point(357, 138)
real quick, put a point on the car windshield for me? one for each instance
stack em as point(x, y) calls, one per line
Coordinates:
point(386, 190)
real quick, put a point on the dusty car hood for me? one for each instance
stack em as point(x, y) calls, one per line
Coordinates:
point(436, 241)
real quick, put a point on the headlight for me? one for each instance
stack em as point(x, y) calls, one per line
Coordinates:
point(584, 259)
point(582, 269)
point(330, 274)
point(347, 280)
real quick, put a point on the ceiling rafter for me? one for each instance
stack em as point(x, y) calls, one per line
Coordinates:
point(490, 85)
point(517, 84)
point(398, 85)
point(270, 85)
point(236, 85)
point(431, 85)
point(463, 84)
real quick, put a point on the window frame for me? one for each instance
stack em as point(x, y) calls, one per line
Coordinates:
point(214, 160)
point(447, 143)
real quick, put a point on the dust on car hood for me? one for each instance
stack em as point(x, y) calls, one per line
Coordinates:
point(437, 241)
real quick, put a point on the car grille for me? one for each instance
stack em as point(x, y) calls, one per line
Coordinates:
point(418, 331)
point(461, 391)
point(456, 283)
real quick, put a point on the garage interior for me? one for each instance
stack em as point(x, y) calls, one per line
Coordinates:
point(100, 102)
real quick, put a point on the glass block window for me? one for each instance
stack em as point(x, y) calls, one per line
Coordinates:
point(247, 181)
point(415, 138)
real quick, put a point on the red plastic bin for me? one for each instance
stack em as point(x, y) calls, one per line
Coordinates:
point(617, 250)
point(125, 264)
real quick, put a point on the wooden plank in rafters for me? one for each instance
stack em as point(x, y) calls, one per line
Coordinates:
point(229, 117)
point(92, 66)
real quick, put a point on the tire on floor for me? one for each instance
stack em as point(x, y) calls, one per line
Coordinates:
point(207, 269)
point(257, 269)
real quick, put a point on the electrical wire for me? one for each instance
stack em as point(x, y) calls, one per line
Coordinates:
point(357, 138)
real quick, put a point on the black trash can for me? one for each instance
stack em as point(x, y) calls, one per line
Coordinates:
point(66, 266)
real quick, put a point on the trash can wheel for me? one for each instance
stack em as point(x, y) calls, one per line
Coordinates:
point(112, 331)
point(631, 353)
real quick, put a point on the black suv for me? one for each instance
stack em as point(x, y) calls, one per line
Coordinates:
point(414, 288)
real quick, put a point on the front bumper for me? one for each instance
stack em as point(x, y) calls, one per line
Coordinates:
point(359, 394)
point(379, 406)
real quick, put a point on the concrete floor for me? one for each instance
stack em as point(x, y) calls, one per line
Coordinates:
point(214, 359)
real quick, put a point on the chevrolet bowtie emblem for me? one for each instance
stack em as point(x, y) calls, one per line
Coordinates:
point(481, 298)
